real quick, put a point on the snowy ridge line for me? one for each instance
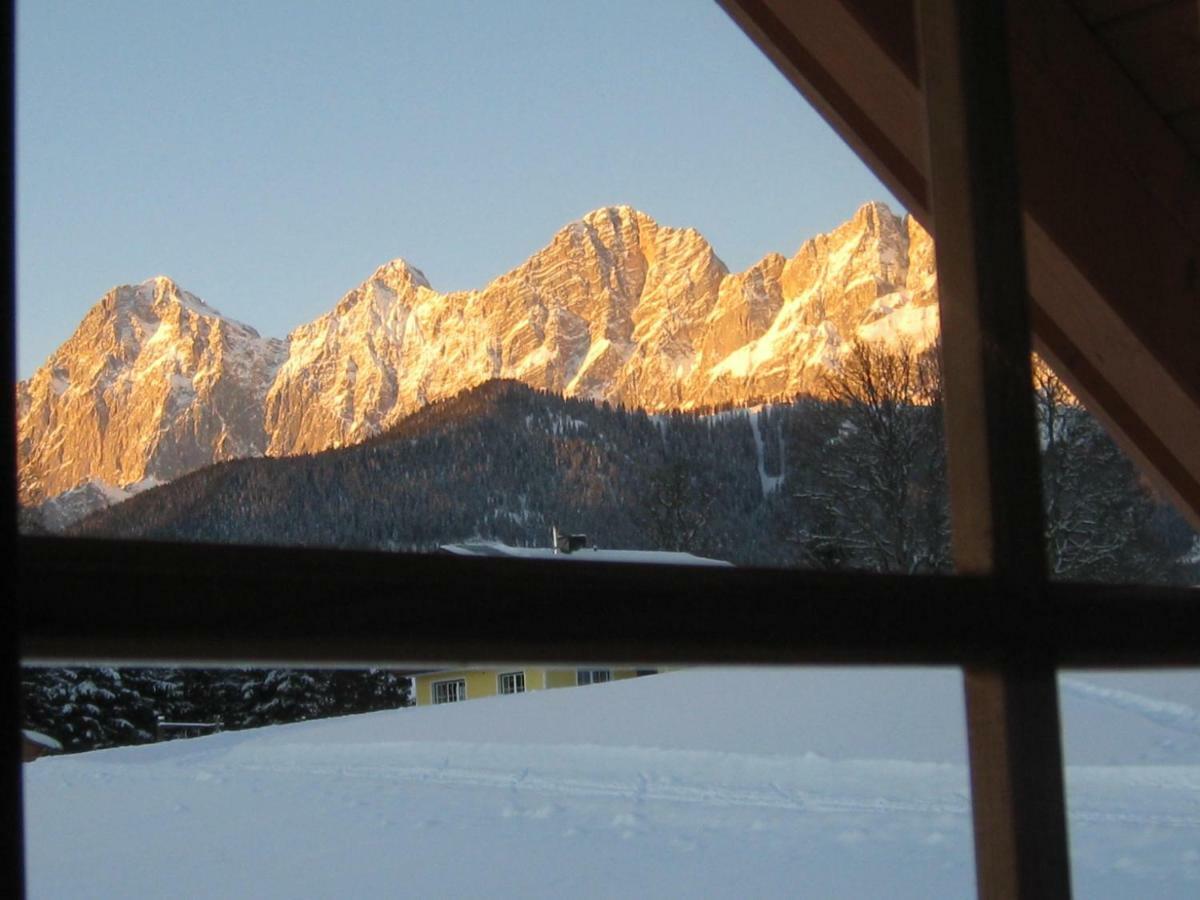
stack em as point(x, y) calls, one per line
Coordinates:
point(803, 783)
point(1114, 817)
point(768, 797)
point(710, 777)
point(1166, 713)
point(1087, 785)
point(645, 789)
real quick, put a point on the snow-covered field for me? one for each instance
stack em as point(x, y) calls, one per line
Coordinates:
point(702, 783)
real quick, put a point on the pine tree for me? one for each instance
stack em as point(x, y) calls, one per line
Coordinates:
point(88, 708)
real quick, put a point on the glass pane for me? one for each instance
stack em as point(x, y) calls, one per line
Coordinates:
point(722, 360)
point(1132, 748)
point(1104, 519)
point(698, 782)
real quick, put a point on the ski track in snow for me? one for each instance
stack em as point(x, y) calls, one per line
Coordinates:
point(805, 783)
point(1167, 713)
point(571, 793)
point(633, 773)
point(816, 827)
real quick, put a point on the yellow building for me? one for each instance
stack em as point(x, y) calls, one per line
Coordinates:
point(453, 685)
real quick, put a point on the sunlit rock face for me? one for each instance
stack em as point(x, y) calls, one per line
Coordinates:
point(342, 377)
point(616, 307)
point(801, 314)
point(152, 384)
point(609, 309)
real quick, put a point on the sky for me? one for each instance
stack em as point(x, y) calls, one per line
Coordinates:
point(269, 156)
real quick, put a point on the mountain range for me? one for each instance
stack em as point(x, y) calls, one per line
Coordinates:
point(500, 461)
point(155, 383)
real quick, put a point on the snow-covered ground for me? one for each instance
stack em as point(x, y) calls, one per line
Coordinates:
point(702, 783)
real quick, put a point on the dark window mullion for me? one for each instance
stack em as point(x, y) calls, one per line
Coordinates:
point(1012, 707)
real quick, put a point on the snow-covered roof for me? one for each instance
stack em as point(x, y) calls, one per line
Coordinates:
point(584, 554)
point(42, 740)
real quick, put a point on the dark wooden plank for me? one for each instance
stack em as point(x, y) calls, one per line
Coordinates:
point(1187, 125)
point(1160, 49)
point(123, 600)
point(1017, 793)
point(1114, 219)
point(1113, 626)
point(890, 25)
point(138, 602)
point(1099, 11)
point(992, 453)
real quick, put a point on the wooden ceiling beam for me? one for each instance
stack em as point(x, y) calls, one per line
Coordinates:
point(1111, 199)
point(1160, 48)
point(1101, 11)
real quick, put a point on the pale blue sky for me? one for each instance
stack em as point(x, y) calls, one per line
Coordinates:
point(270, 155)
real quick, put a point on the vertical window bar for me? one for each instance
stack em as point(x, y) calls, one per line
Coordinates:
point(10, 793)
point(1012, 707)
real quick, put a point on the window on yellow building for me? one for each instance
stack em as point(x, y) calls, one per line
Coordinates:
point(512, 683)
point(449, 691)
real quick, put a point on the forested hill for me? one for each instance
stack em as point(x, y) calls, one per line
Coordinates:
point(499, 461)
point(853, 482)
point(857, 482)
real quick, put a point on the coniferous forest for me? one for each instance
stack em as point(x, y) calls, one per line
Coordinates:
point(853, 481)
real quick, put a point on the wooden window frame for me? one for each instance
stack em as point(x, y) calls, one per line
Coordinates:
point(83, 600)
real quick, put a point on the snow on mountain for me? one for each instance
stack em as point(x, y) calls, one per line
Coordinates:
point(63, 510)
point(153, 383)
point(716, 783)
point(341, 376)
point(616, 307)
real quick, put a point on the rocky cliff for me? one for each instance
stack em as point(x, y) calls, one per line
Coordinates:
point(153, 383)
point(616, 307)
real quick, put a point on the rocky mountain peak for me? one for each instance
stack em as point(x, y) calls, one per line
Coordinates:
point(162, 287)
point(615, 307)
point(875, 216)
point(392, 280)
point(621, 213)
point(399, 272)
point(162, 296)
point(152, 384)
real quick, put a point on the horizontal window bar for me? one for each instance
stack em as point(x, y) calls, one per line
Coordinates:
point(91, 600)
